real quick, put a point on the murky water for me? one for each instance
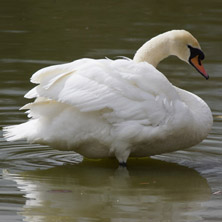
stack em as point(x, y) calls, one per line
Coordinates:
point(41, 184)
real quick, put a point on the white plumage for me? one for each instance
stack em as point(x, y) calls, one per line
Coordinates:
point(101, 108)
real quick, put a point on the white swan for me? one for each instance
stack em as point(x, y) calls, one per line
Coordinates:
point(104, 108)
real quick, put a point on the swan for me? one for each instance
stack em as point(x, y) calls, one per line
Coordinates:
point(117, 108)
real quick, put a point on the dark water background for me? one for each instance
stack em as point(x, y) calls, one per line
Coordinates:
point(38, 183)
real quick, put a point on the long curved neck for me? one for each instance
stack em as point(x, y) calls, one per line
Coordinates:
point(155, 50)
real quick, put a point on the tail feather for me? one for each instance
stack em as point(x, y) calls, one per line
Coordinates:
point(18, 132)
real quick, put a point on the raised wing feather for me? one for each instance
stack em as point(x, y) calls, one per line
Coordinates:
point(126, 88)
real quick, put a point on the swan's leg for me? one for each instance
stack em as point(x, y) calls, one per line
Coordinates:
point(122, 156)
point(122, 164)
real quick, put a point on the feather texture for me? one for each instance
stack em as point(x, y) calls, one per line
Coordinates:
point(105, 107)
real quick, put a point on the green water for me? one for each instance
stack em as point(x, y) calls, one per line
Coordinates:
point(38, 183)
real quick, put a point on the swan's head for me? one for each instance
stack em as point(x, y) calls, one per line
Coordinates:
point(176, 42)
point(187, 48)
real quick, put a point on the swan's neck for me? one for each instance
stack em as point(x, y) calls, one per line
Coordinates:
point(155, 50)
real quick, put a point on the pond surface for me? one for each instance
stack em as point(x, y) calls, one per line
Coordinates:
point(38, 183)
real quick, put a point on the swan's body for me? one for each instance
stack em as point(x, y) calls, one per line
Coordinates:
point(103, 108)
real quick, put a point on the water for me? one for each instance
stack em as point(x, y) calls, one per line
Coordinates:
point(41, 184)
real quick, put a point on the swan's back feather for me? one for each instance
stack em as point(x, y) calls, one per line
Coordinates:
point(120, 85)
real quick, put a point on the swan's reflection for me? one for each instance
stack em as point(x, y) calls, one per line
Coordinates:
point(150, 190)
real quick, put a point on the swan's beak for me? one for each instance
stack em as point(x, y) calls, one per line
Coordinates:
point(196, 63)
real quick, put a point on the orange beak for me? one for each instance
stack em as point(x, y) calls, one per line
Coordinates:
point(196, 62)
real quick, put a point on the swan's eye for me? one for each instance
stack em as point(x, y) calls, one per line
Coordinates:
point(196, 52)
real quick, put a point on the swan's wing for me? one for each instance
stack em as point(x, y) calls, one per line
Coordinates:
point(130, 91)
